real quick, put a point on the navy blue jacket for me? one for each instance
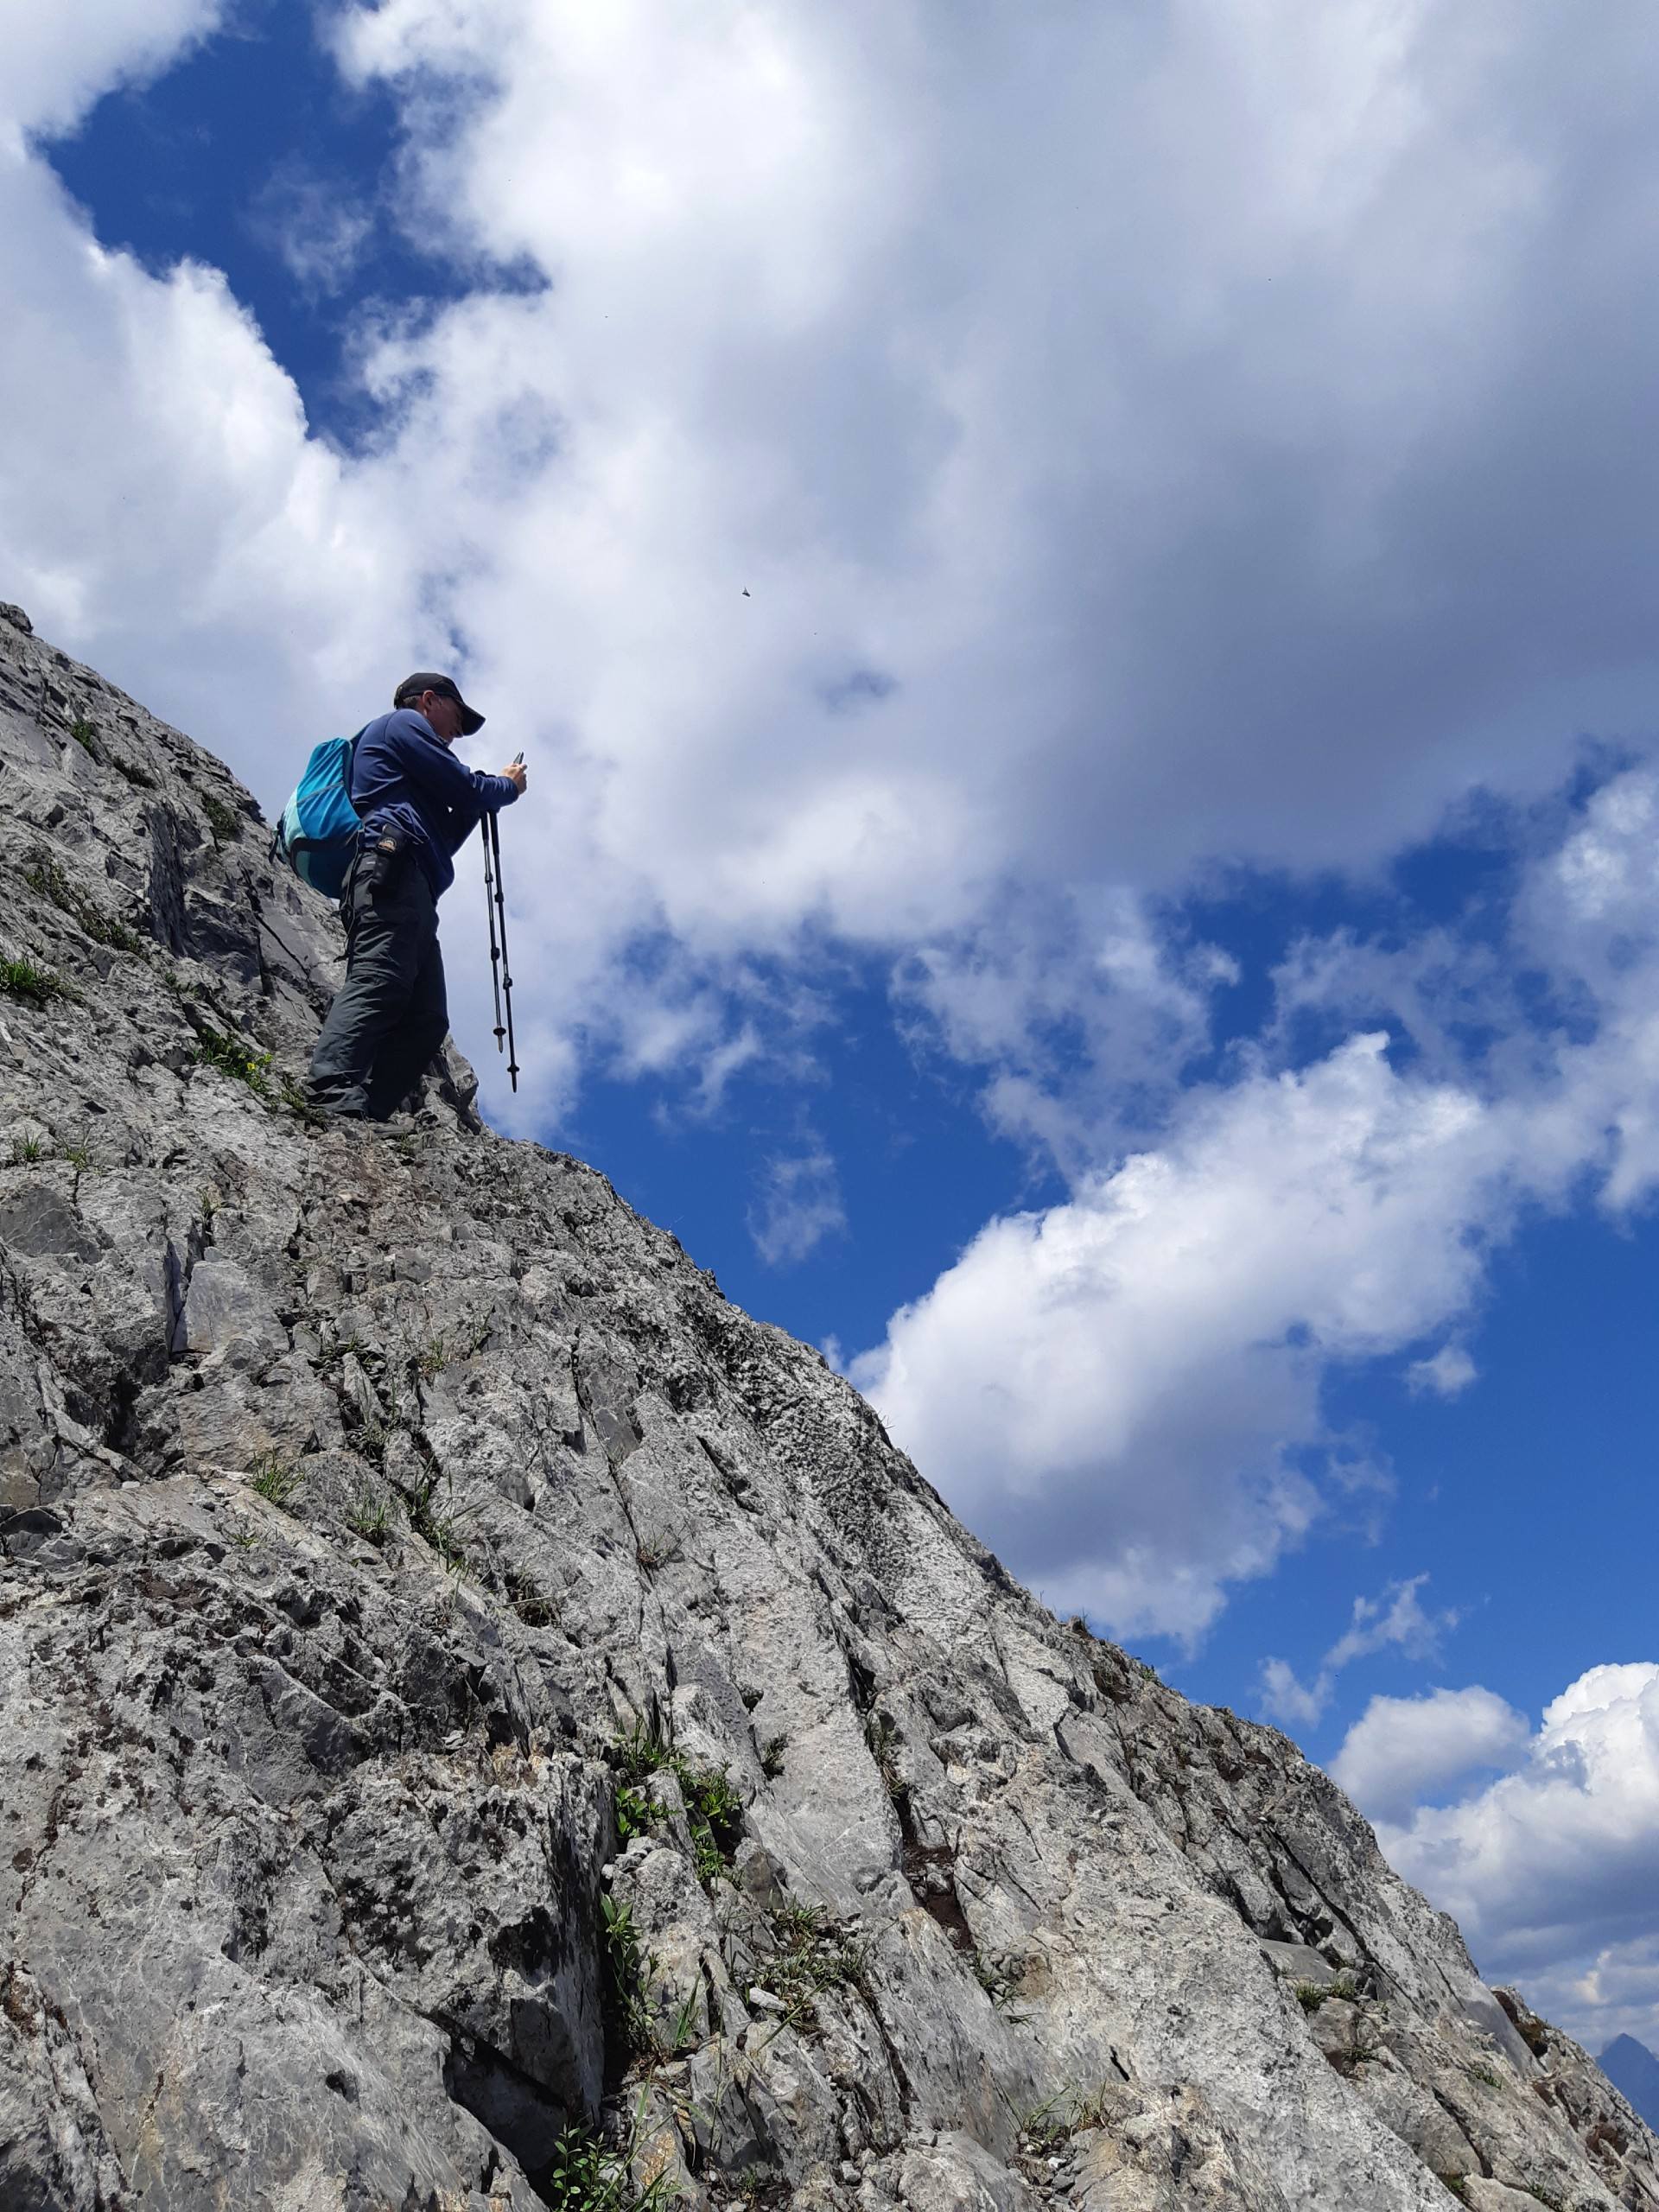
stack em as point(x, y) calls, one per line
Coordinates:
point(405, 778)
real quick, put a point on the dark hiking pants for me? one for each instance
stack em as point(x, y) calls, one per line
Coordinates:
point(390, 1016)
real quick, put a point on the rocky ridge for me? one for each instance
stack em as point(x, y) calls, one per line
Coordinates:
point(485, 1723)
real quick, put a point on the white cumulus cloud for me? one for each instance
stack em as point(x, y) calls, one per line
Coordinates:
point(1402, 1749)
point(1114, 1391)
point(1551, 1870)
point(60, 59)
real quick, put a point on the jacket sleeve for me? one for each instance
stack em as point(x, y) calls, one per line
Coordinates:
point(436, 774)
point(463, 820)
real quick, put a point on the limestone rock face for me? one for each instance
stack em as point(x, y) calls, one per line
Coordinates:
point(463, 1684)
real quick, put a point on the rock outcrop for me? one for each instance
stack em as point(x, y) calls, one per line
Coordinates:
point(485, 1723)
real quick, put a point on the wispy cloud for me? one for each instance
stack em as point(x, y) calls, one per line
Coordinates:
point(315, 223)
point(1397, 1620)
point(800, 1205)
point(1448, 1372)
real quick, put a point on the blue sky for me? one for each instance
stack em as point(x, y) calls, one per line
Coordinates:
point(1080, 610)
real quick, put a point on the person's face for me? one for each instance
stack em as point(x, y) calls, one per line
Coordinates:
point(443, 714)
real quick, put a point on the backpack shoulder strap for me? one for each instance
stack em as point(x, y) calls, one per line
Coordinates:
point(351, 763)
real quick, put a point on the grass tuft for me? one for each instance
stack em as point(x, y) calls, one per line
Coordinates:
point(441, 1530)
point(277, 1480)
point(1309, 1995)
point(294, 1097)
point(370, 1517)
point(811, 1956)
point(37, 986)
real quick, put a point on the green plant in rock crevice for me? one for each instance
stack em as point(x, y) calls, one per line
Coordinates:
point(297, 1102)
point(811, 1955)
point(998, 1985)
point(35, 987)
point(370, 1517)
point(234, 1056)
point(441, 1530)
point(632, 2031)
point(224, 821)
point(882, 1738)
point(1045, 2128)
point(276, 1480)
point(713, 1811)
point(759, 2187)
point(634, 1813)
point(1309, 1995)
point(627, 1979)
point(588, 2174)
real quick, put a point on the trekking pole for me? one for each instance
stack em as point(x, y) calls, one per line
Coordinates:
point(506, 965)
point(495, 949)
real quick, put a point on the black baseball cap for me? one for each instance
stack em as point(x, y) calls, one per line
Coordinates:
point(426, 680)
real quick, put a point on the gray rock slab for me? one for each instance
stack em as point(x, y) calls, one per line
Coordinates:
point(38, 1220)
point(1299, 1962)
point(223, 1307)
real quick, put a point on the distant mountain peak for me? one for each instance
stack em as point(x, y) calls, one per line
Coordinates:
point(1633, 2069)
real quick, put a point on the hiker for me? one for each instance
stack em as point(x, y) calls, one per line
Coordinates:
point(418, 805)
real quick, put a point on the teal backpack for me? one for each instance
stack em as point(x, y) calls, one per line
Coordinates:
point(317, 832)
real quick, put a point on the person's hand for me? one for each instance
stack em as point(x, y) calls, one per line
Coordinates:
point(514, 774)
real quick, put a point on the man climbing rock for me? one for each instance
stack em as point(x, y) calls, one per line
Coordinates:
point(418, 805)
